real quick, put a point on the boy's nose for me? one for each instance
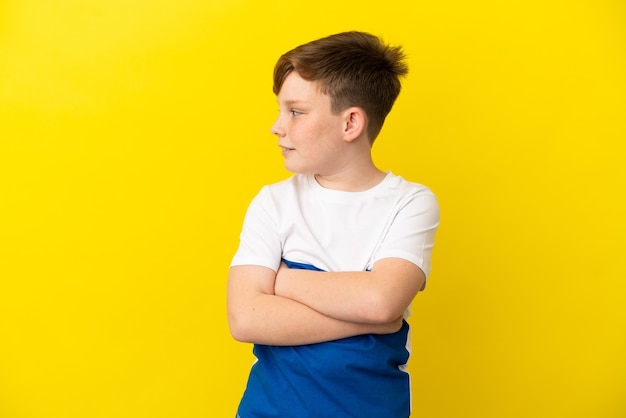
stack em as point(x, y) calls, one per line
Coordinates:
point(277, 129)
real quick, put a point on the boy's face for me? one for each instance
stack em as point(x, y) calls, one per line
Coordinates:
point(309, 134)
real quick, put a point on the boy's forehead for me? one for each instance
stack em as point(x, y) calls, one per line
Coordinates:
point(295, 89)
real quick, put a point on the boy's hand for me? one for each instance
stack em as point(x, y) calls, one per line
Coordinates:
point(281, 274)
point(284, 274)
point(257, 315)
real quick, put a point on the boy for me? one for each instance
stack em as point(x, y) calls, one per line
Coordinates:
point(331, 258)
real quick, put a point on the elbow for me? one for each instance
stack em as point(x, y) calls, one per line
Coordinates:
point(239, 328)
point(241, 334)
point(381, 310)
point(383, 316)
point(238, 334)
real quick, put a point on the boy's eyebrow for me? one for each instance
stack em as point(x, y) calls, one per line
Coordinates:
point(293, 102)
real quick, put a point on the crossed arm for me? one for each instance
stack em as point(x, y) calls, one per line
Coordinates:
point(293, 307)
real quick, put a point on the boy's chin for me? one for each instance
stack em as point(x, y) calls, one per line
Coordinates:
point(292, 168)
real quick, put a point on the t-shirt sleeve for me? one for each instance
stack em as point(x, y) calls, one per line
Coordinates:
point(259, 241)
point(411, 235)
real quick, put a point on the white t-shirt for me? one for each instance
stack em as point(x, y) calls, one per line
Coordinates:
point(300, 221)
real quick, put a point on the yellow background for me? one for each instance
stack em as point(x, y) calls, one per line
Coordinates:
point(134, 133)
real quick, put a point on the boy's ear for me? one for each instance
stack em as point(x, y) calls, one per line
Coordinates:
point(354, 123)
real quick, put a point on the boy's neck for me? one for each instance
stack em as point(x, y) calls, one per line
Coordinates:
point(356, 181)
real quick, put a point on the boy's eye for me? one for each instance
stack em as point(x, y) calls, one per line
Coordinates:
point(295, 112)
